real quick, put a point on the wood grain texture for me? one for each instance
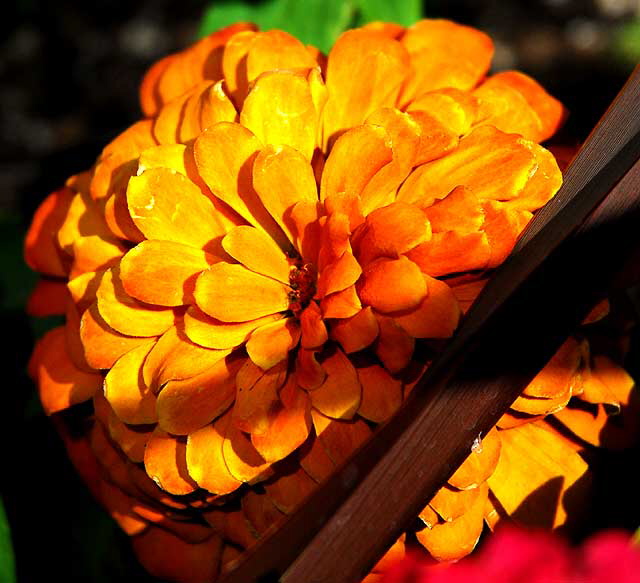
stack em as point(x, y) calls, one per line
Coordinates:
point(561, 267)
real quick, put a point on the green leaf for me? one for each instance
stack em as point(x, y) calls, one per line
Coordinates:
point(316, 22)
point(406, 12)
point(7, 560)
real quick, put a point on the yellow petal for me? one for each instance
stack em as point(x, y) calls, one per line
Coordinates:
point(165, 462)
point(271, 343)
point(340, 394)
point(232, 293)
point(480, 464)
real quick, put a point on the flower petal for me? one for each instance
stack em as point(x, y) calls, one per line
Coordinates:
point(356, 157)
point(257, 396)
point(103, 345)
point(205, 461)
point(394, 347)
point(175, 358)
point(453, 109)
point(445, 54)
point(365, 70)
point(342, 304)
point(390, 231)
point(338, 275)
point(558, 373)
point(279, 110)
point(503, 226)
point(242, 459)
point(186, 405)
point(450, 541)
point(436, 316)
point(224, 155)
point(232, 293)
point(211, 333)
point(381, 393)
point(340, 438)
point(282, 177)
point(165, 462)
point(257, 251)
point(61, 383)
point(271, 343)
point(490, 163)
point(127, 315)
point(313, 328)
point(48, 298)
point(166, 205)
point(124, 388)
point(163, 272)
point(288, 426)
point(289, 490)
point(480, 464)
point(357, 332)
point(94, 253)
point(390, 285)
point(309, 373)
point(536, 472)
point(451, 503)
point(340, 394)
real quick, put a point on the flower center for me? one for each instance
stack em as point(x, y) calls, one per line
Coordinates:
point(302, 279)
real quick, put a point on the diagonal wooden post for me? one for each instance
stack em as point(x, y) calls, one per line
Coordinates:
point(560, 268)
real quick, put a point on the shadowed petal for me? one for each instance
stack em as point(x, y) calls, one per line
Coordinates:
point(165, 462)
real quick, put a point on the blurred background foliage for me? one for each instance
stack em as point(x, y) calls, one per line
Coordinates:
point(69, 72)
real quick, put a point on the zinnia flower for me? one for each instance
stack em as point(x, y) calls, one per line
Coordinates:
point(521, 556)
point(255, 275)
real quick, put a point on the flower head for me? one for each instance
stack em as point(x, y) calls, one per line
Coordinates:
point(255, 275)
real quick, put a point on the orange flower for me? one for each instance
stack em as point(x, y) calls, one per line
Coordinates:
point(256, 272)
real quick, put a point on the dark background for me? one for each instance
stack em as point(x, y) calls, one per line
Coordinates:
point(69, 73)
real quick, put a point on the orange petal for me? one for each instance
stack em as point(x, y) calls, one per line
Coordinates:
point(558, 373)
point(340, 438)
point(48, 298)
point(177, 73)
point(205, 461)
point(537, 474)
point(271, 343)
point(94, 253)
point(124, 388)
point(173, 357)
point(453, 109)
point(459, 211)
point(389, 285)
point(206, 105)
point(356, 157)
point(542, 406)
point(170, 558)
point(257, 396)
point(60, 383)
point(338, 275)
point(103, 345)
point(309, 373)
point(165, 462)
point(394, 347)
point(132, 440)
point(163, 272)
point(490, 163)
point(503, 227)
point(242, 459)
point(354, 92)
point(450, 541)
point(340, 394)
point(41, 250)
point(232, 293)
point(381, 393)
point(437, 316)
point(275, 49)
point(445, 54)
point(288, 491)
point(283, 177)
point(390, 231)
point(466, 293)
point(306, 229)
point(257, 251)
point(234, 64)
point(450, 503)
point(450, 252)
point(549, 110)
point(211, 333)
point(166, 205)
point(314, 459)
point(260, 512)
point(342, 304)
point(224, 155)
point(480, 464)
point(357, 332)
point(404, 134)
point(279, 110)
point(231, 524)
point(614, 377)
point(127, 315)
point(313, 329)
point(184, 406)
point(288, 426)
